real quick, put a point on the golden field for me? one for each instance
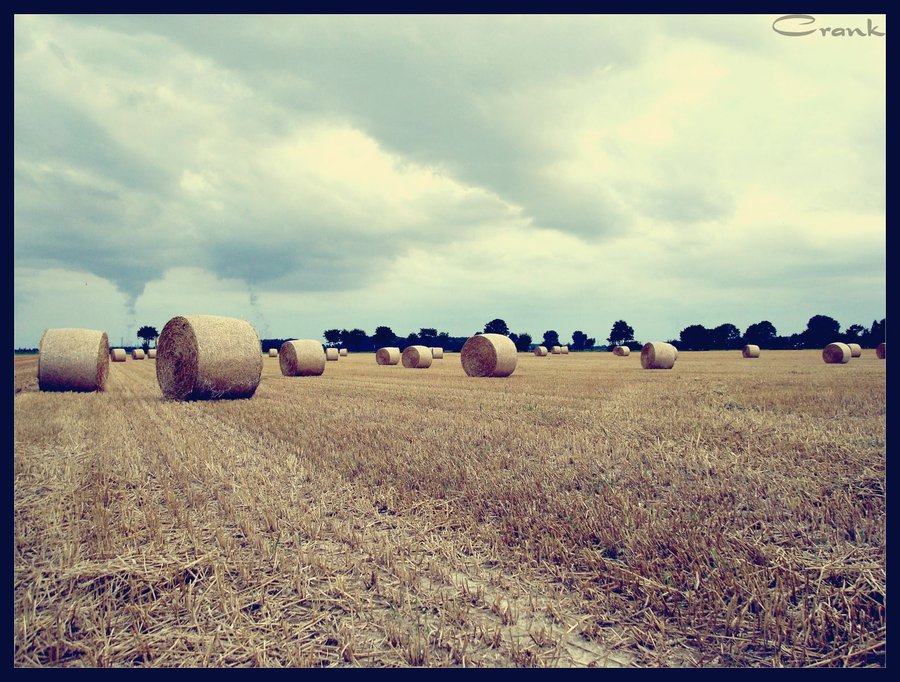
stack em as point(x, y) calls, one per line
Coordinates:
point(582, 512)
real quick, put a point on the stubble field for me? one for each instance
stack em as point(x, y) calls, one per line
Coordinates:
point(582, 512)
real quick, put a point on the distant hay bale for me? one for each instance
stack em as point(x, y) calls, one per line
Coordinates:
point(331, 354)
point(555, 350)
point(73, 360)
point(489, 355)
point(855, 350)
point(622, 351)
point(417, 357)
point(342, 352)
point(564, 350)
point(387, 356)
point(658, 355)
point(301, 358)
point(207, 357)
point(541, 351)
point(118, 355)
point(273, 352)
point(837, 353)
point(879, 351)
point(137, 354)
point(151, 353)
point(750, 351)
point(437, 353)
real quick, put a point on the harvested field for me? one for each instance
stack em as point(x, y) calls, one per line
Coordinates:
point(559, 517)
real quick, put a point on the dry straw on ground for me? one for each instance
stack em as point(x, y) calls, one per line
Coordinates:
point(658, 355)
point(555, 350)
point(437, 353)
point(137, 354)
point(541, 351)
point(750, 351)
point(73, 360)
point(622, 351)
point(273, 352)
point(342, 352)
point(417, 357)
point(118, 355)
point(879, 351)
point(331, 354)
point(389, 355)
point(301, 358)
point(489, 355)
point(855, 350)
point(837, 353)
point(151, 353)
point(202, 357)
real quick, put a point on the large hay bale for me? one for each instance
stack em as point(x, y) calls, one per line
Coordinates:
point(855, 350)
point(207, 357)
point(417, 357)
point(342, 352)
point(541, 351)
point(658, 355)
point(138, 354)
point(151, 353)
point(555, 350)
point(437, 353)
point(73, 360)
point(118, 355)
point(489, 355)
point(273, 352)
point(389, 355)
point(750, 351)
point(879, 351)
point(331, 354)
point(563, 350)
point(622, 351)
point(301, 358)
point(837, 353)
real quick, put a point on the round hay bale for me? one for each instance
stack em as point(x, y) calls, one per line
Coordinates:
point(622, 351)
point(388, 355)
point(138, 354)
point(879, 351)
point(563, 350)
point(437, 353)
point(489, 355)
point(73, 360)
point(658, 355)
point(301, 358)
point(118, 355)
point(541, 351)
point(273, 352)
point(750, 351)
point(342, 352)
point(331, 354)
point(417, 357)
point(555, 350)
point(855, 350)
point(207, 357)
point(151, 353)
point(836, 353)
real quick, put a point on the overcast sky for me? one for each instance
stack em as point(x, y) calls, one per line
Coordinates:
point(559, 172)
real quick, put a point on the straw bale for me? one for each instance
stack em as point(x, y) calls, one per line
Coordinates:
point(118, 355)
point(301, 358)
point(389, 355)
point(73, 360)
point(855, 350)
point(836, 353)
point(750, 351)
point(417, 357)
point(331, 354)
point(541, 351)
point(137, 354)
point(658, 355)
point(489, 355)
point(437, 353)
point(879, 351)
point(622, 351)
point(342, 352)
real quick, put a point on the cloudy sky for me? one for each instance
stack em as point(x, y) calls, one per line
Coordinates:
point(559, 172)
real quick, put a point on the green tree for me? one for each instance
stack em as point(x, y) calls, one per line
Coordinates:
point(148, 334)
point(726, 337)
point(820, 331)
point(551, 338)
point(522, 341)
point(427, 335)
point(332, 336)
point(496, 326)
point(620, 334)
point(695, 337)
point(383, 336)
point(761, 334)
point(579, 338)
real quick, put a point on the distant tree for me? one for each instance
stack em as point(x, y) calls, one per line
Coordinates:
point(761, 334)
point(427, 335)
point(522, 341)
point(551, 338)
point(383, 336)
point(820, 331)
point(496, 326)
point(695, 337)
point(725, 337)
point(874, 335)
point(620, 334)
point(443, 339)
point(148, 334)
point(332, 336)
point(590, 342)
point(579, 338)
point(854, 332)
point(356, 340)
